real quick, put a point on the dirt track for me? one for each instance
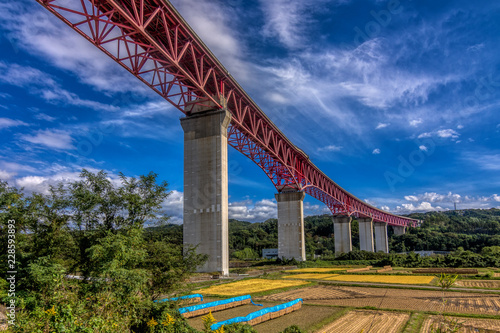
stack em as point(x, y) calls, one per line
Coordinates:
point(403, 299)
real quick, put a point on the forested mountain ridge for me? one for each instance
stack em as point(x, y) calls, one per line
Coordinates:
point(470, 229)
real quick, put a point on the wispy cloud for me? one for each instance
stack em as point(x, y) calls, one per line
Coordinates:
point(376, 151)
point(52, 139)
point(6, 123)
point(330, 148)
point(44, 86)
point(381, 125)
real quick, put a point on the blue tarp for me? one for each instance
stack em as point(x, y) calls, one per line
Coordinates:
point(180, 298)
point(256, 314)
point(213, 304)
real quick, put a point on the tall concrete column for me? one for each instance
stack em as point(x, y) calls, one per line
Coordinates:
point(206, 186)
point(399, 230)
point(291, 239)
point(366, 234)
point(381, 241)
point(342, 234)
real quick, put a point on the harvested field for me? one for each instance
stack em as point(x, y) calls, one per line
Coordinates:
point(248, 287)
point(310, 276)
point(317, 293)
point(445, 270)
point(305, 318)
point(317, 270)
point(486, 284)
point(367, 268)
point(496, 275)
point(400, 279)
point(401, 299)
point(369, 321)
point(468, 324)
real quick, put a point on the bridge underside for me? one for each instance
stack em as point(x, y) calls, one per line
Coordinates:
point(154, 43)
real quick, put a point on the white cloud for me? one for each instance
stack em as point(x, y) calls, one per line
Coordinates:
point(460, 126)
point(422, 207)
point(415, 122)
point(330, 148)
point(386, 208)
point(423, 148)
point(434, 197)
point(411, 198)
point(247, 210)
point(54, 139)
point(425, 135)
point(5, 175)
point(444, 133)
point(285, 20)
point(381, 125)
point(376, 151)
point(495, 197)
point(447, 133)
point(46, 117)
point(6, 123)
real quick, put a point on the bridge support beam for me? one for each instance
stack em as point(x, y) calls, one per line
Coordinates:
point(342, 234)
point(399, 230)
point(206, 186)
point(291, 239)
point(381, 241)
point(366, 234)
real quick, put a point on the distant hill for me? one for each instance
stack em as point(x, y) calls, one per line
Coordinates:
point(471, 229)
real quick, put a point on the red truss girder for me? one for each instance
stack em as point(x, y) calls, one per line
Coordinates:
point(153, 42)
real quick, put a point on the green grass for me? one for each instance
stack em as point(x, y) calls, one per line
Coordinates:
point(414, 324)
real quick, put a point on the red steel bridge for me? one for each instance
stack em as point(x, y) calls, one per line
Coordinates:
point(152, 41)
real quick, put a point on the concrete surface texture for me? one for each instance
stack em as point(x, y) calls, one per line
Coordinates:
point(291, 239)
point(206, 187)
point(342, 234)
point(366, 234)
point(381, 241)
point(399, 230)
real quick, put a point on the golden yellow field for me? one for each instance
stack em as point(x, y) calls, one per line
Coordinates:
point(248, 287)
point(317, 270)
point(310, 276)
point(400, 279)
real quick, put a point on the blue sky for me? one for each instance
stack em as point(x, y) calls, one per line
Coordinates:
point(397, 101)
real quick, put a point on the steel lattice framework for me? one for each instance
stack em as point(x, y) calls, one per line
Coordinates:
point(153, 42)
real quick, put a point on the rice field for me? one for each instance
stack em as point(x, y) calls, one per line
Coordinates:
point(466, 324)
point(317, 270)
point(399, 279)
point(311, 276)
point(369, 321)
point(246, 287)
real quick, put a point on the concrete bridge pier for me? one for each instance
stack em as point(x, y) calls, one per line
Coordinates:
point(381, 241)
point(366, 234)
point(291, 239)
point(342, 234)
point(206, 186)
point(399, 230)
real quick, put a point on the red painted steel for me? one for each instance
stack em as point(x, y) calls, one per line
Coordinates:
point(152, 41)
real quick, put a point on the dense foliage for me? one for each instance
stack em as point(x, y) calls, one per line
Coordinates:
point(471, 230)
point(84, 262)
